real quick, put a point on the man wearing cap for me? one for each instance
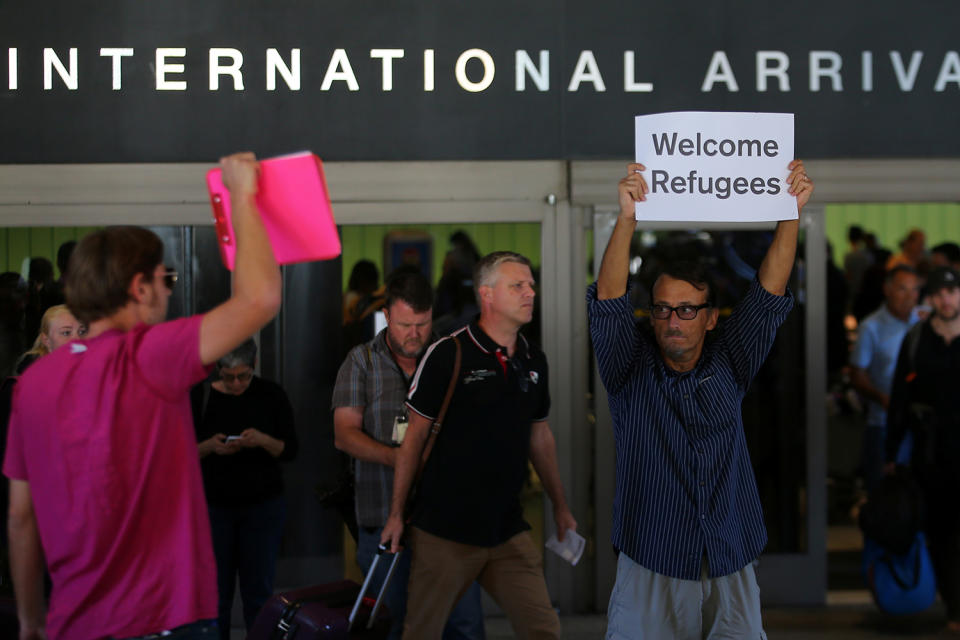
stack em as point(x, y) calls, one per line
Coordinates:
point(926, 402)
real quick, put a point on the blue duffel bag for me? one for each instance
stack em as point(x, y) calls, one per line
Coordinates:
point(901, 584)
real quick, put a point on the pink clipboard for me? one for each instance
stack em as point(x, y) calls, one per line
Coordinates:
point(294, 204)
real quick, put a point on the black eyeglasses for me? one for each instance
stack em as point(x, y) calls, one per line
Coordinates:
point(684, 311)
point(523, 378)
point(170, 278)
point(240, 377)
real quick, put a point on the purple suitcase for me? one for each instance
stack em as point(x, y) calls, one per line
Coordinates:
point(335, 610)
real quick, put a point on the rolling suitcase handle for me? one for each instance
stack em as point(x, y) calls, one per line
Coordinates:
point(381, 549)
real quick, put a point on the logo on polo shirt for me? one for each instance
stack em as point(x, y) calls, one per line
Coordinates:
point(477, 375)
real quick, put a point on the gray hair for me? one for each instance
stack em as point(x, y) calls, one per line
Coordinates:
point(485, 272)
point(245, 354)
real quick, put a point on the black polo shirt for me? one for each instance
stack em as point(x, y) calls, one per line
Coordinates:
point(470, 489)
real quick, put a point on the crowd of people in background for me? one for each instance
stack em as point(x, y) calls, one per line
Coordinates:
point(866, 263)
point(855, 288)
point(895, 342)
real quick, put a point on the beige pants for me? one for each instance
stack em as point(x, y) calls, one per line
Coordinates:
point(512, 573)
point(646, 605)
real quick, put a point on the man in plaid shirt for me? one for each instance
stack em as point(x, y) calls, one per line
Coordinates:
point(369, 421)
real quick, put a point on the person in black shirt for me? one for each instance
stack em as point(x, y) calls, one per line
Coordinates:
point(467, 522)
point(924, 401)
point(245, 429)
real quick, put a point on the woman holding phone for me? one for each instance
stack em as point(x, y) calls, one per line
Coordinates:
point(245, 430)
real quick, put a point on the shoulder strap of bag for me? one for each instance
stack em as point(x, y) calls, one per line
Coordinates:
point(910, 582)
point(912, 341)
point(438, 422)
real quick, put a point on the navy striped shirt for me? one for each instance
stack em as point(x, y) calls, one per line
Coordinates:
point(685, 485)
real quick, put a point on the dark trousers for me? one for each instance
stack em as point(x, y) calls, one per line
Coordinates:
point(246, 541)
point(943, 536)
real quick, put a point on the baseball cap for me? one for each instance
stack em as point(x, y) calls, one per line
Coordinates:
point(942, 278)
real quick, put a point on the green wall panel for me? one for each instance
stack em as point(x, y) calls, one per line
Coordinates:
point(41, 243)
point(19, 243)
point(18, 247)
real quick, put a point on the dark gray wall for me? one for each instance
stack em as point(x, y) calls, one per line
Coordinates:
point(868, 113)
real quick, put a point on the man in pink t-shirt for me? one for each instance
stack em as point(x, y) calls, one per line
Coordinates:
point(104, 477)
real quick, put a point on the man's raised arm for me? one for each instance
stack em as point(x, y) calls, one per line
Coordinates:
point(256, 293)
point(614, 269)
point(778, 263)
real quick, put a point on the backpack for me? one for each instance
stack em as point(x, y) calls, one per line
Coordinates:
point(894, 513)
point(901, 584)
point(896, 563)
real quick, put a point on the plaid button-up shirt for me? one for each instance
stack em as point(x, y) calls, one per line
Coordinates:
point(370, 379)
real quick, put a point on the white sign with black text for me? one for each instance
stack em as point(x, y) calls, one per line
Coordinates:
point(716, 166)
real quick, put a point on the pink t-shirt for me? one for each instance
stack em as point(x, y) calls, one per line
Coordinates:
point(101, 429)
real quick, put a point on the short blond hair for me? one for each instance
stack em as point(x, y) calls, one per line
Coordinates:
point(486, 270)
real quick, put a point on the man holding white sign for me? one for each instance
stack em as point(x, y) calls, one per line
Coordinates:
point(687, 516)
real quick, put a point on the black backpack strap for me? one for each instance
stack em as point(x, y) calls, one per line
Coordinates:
point(911, 341)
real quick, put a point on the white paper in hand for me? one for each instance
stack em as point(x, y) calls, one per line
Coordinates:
point(570, 549)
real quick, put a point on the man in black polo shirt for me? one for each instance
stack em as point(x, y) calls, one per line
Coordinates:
point(467, 523)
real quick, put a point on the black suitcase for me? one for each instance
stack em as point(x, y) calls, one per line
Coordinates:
point(335, 610)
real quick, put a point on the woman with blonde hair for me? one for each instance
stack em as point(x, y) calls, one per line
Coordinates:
point(57, 328)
